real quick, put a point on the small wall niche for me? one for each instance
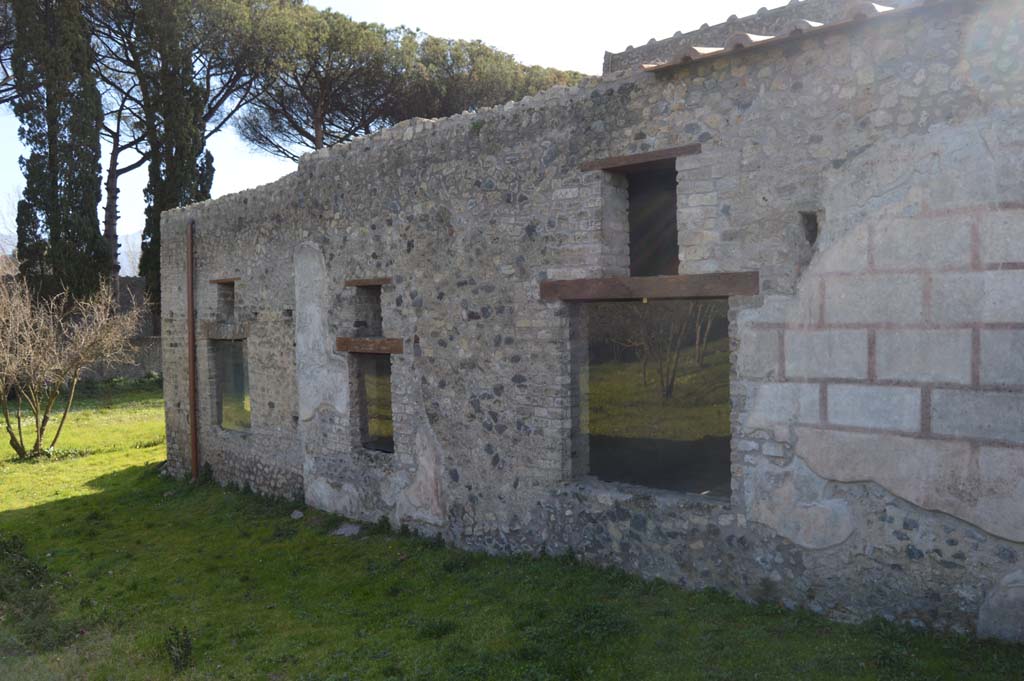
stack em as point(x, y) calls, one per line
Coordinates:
point(810, 226)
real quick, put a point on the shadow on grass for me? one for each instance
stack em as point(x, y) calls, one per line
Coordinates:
point(55, 455)
point(265, 594)
point(28, 586)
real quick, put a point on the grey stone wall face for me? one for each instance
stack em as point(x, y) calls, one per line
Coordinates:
point(765, 23)
point(878, 450)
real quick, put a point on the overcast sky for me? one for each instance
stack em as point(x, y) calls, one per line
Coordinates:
point(566, 35)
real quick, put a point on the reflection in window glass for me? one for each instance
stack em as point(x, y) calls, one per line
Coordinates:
point(657, 394)
point(232, 385)
point(375, 389)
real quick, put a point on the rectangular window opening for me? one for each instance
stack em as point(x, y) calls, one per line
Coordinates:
point(373, 400)
point(234, 405)
point(653, 231)
point(226, 301)
point(653, 395)
point(369, 321)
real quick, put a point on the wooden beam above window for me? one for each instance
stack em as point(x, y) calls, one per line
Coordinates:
point(718, 285)
point(370, 346)
point(642, 160)
point(226, 280)
point(378, 281)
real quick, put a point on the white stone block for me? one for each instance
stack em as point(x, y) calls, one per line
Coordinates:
point(1002, 237)
point(874, 298)
point(1002, 357)
point(988, 297)
point(874, 406)
point(942, 356)
point(979, 414)
point(827, 354)
point(927, 243)
point(772, 404)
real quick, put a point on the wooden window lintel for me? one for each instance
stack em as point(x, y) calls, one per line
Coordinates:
point(226, 280)
point(370, 346)
point(376, 281)
point(715, 285)
point(637, 161)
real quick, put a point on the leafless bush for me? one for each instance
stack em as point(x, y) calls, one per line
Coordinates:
point(8, 235)
point(658, 332)
point(45, 345)
point(8, 266)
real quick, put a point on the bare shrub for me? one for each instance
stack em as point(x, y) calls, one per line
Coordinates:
point(45, 345)
point(658, 332)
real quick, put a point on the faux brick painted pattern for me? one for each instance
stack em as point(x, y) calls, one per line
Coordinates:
point(875, 407)
point(922, 243)
point(827, 354)
point(875, 299)
point(1002, 356)
point(979, 414)
point(772, 404)
point(973, 297)
point(932, 356)
point(1002, 237)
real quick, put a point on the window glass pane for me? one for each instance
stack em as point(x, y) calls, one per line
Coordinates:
point(233, 385)
point(378, 430)
point(657, 394)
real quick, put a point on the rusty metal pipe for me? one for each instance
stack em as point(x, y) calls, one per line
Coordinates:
point(190, 323)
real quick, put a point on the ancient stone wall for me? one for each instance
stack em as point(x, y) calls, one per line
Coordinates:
point(878, 377)
point(131, 291)
point(765, 23)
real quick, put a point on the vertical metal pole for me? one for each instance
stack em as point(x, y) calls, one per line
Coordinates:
point(190, 323)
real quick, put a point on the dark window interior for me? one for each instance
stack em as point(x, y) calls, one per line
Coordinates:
point(373, 397)
point(653, 235)
point(234, 404)
point(809, 222)
point(657, 394)
point(226, 301)
point(368, 317)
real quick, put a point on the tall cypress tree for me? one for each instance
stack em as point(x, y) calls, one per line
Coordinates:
point(174, 104)
point(58, 106)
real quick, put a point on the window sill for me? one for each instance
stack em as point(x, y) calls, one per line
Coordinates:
point(619, 491)
point(233, 432)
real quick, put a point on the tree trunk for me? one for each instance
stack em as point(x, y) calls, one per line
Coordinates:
point(318, 130)
point(700, 339)
point(16, 444)
point(67, 408)
point(110, 208)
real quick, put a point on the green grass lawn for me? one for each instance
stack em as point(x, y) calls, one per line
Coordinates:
point(130, 554)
